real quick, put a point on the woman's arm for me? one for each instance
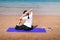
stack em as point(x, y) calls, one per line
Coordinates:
point(20, 22)
point(25, 14)
point(20, 19)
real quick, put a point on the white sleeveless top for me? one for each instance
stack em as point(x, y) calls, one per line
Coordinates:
point(28, 22)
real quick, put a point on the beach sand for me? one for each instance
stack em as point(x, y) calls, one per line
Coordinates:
point(44, 21)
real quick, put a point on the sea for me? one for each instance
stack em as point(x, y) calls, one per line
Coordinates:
point(41, 7)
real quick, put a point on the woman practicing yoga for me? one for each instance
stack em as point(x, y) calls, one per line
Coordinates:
point(25, 21)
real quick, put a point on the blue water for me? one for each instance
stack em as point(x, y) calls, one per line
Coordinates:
point(3, 2)
point(19, 3)
point(43, 6)
point(29, 0)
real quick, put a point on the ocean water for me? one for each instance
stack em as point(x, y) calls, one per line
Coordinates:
point(30, 0)
point(41, 7)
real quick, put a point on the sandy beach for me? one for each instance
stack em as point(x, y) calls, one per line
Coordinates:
point(46, 15)
point(44, 21)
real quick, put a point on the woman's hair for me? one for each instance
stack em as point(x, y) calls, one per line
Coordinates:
point(27, 13)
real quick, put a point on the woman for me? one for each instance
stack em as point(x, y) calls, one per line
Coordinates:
point(26, 21)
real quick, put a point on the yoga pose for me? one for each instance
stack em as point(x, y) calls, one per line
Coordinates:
point(25, 21)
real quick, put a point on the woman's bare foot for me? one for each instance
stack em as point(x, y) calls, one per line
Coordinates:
point(34, 26)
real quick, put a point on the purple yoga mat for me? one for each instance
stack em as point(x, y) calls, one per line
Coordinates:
point(34, 30)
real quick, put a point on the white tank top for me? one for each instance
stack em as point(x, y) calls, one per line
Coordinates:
point(28, 22)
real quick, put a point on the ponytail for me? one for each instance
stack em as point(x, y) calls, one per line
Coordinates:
point(28, 15)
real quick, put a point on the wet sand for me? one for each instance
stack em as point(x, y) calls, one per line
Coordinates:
point(45, 21)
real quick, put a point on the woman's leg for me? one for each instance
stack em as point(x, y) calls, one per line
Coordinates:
point(32, 27)
point(18, 27)
point(26, 28)
point(22, 27)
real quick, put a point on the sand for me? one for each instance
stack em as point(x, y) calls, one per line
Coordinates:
point(44, 21)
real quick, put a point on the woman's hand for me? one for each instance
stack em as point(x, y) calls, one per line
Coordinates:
point(21, 21)
point(20, 18)
point(30, 10)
